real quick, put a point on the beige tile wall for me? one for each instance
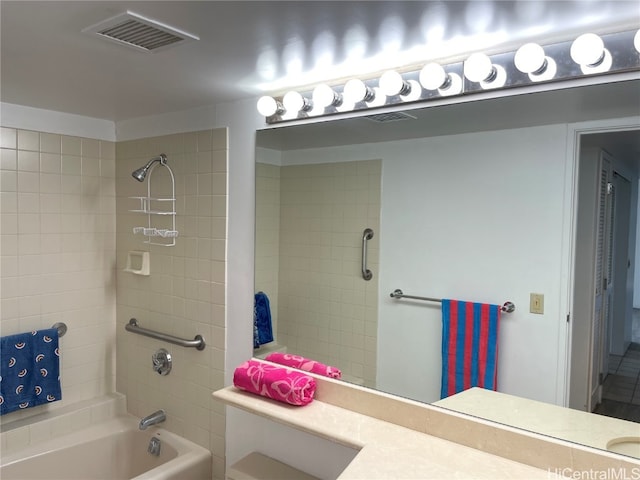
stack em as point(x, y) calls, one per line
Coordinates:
point(185, 293)
point(326, 310)
point(58, 253)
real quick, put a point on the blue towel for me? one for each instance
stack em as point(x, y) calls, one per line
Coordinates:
point(262, 330)
point(29, 370)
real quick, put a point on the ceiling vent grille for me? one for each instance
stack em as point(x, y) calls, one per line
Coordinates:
point(138, 32)
point(390, 117)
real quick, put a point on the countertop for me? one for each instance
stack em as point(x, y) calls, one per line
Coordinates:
point(386, 450)
point(566, 423)
point(400, 438)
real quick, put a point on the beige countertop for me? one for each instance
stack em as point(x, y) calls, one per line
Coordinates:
point(573, 425)
point(386, 450)
point(403, 439)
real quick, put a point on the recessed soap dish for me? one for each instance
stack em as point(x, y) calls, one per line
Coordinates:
point(138, 262)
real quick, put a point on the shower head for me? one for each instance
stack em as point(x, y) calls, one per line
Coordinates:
point(141, 172)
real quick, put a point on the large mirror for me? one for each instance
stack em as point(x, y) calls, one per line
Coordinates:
point(477, 201)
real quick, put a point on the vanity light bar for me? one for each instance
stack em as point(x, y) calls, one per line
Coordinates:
point(587, 55)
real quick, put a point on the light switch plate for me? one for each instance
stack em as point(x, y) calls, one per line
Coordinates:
point(536, 304)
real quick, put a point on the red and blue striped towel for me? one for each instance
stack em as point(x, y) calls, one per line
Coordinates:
point(469, 346)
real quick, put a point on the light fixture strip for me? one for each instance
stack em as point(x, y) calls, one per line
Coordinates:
point(624, 55)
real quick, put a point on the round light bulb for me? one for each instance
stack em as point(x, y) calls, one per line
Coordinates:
point(345, 106)
point(356, 91)
point(414, 93)
point(391, 83)
point(267, 106)
point(497, 79)
point(547, 73)
point(325, 96)
point(587, 49)
point(377, 99)
point(602, 66)
point(294, 102)
point(636, 41)
point(433, 76)
point(478, 68)
point(453, 87)
point(530, 58)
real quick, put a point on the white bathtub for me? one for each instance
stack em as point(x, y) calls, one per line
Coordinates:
point(114, 449)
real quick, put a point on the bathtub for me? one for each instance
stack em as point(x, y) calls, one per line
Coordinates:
point(114, 449)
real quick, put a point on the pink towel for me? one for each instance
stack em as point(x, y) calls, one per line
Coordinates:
point(278, 383)
point(305, 364)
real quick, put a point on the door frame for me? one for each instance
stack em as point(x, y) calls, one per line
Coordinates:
point(621, 272)
point(567, 269)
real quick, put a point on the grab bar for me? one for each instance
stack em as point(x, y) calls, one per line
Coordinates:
point(197, 342)
point(507, 307)
point(366, 235)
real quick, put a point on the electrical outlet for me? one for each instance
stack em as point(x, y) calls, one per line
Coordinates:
point(536, 304)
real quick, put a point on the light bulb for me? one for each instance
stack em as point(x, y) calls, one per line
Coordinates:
point(530, 58)
point(454, 87)
point(433, 77)
point(356, 91)
point(587, 49)
point(415, 92)
point(268, 106)
point(391, 83)
point(547, 73)
point(478, 68)
point(294, 102)
point(345, 106)
point(636, 41)
point(497, 79)
point(377, 99)
point(602, 66)
point(325, 96)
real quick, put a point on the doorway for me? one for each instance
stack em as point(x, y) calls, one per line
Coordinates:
point(605, 363)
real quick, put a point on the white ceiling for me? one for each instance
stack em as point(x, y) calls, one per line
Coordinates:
point(247, 48)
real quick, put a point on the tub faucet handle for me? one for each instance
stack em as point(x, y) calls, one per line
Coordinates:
point(161, 361)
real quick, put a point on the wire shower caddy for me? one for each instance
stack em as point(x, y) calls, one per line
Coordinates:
point(158, 206)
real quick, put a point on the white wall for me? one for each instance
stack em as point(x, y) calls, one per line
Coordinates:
point(490, 231)
point(29, 118)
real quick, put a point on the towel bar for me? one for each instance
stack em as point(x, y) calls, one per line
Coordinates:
point(61, 327)
point(507, 307)
point(197, 342)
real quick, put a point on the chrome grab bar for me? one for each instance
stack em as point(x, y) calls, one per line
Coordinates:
point(366, 235)
point(197, 342)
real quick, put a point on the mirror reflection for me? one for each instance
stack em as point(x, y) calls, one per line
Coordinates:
point(481, 202)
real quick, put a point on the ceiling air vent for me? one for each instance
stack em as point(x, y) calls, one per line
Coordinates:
point(390, 117)
point(136, 31)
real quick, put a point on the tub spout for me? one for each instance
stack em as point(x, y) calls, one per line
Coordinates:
point(153, 419)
